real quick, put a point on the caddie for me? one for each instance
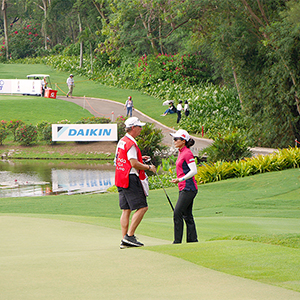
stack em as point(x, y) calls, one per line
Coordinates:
point(132, 182)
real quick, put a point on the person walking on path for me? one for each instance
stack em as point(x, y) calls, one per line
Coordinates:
point(186, 169)
point(71, 85)
point(129, 106)
point(132, 182)
point(179, 109)
point(186, 108)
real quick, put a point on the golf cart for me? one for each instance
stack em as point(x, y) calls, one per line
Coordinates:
point(49, 93)
point(40, 77)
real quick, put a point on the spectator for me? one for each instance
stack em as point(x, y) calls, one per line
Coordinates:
point(170, 110)
point(71, 85)
point(129, 106)
point(179, 109)
point(186, 108)
point(44, 86)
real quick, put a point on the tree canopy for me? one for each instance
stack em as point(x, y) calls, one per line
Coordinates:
point(252, 45)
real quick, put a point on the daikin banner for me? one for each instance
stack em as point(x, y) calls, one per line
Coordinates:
point(84, 132)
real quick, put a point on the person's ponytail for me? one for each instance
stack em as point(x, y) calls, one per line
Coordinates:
point(190, 143)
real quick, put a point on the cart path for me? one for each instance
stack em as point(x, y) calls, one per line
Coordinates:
point(55, 259)
point(112, 109)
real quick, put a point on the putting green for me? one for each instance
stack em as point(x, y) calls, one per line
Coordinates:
point(54, 259)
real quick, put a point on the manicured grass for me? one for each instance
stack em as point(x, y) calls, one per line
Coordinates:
point(84, 87)
point(249, 227)
point(37, 109)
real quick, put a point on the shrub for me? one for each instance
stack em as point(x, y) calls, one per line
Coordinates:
point(149, 141)
point(283, 159)
point(214, 172)
point(3, 131)
point(12, 125)
point(2, 51)
point(47, 134)
point(121, 126)
point(230, 148)
point(26, 134)
point(25, 39)
point(46, 130)
point(93, 120)
point(41, 126)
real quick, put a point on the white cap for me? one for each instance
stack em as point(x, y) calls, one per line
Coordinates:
point(181, 134)
point(133, 121)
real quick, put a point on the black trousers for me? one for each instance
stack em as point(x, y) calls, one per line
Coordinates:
point(178, 116)
point(183, 211)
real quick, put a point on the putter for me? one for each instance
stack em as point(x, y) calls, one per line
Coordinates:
point(149, 161)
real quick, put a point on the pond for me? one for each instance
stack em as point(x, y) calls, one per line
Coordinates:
point(19, 178)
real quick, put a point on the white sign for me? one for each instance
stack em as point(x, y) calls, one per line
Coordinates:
point(20, 86)
point(84, 132)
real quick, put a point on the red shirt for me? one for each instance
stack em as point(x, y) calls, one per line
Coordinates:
point(185, 157)
point(123, 165)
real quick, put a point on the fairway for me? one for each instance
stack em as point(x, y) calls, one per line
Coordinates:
point(34, 110)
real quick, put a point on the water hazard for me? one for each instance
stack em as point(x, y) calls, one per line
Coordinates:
point(21, 178)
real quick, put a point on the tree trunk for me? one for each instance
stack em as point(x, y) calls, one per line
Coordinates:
point(4, 6)
point(81, 43)
point(91, 53)
point(45, 23)
point(237, 84)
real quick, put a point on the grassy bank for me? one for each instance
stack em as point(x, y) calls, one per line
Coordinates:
point(248, 227)
point(84, 87)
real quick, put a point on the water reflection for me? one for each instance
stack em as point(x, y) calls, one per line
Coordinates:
point(82, 180)
point(37, 178)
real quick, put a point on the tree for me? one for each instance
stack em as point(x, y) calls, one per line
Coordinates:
point(44, 6)
point(144, 26)
point(4, 8)
point(256, 40)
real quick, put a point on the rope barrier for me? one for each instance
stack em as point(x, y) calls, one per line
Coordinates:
point(56, 84)
point(59, 88)
point(85, 100)
point(92, 107)
point(76, 81)
point(296, 142)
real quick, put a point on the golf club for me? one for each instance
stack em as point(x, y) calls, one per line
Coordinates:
point(149, 161)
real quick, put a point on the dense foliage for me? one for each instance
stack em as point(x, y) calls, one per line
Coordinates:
point(249, 45)
point(282, 160)
point(212, 172)
point(149, 141)
point(215, 109)
point(3, 132)
point(26, 134)
point(232, 147)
